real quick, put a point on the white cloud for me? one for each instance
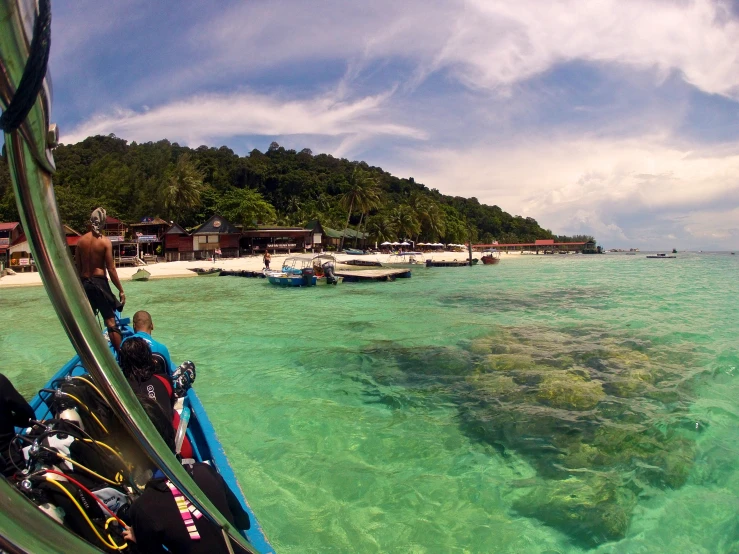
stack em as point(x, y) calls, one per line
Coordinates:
point(486, 45)
point(201, 119)
point(609, 188)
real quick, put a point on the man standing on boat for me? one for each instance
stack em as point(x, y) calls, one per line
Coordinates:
point(94, 256)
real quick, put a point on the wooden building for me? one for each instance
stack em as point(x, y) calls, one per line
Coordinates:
point(177, 244)
point(216, 236)
point(149, 235)
point(20, 257)
point(276, 239)
point(9, 232)
point(115, 229)
point(352, 238)
point(72, 236)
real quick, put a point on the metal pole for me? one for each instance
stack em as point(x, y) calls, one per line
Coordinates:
point(31, 164)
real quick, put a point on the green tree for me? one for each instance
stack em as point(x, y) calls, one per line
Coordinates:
point(184, 184)
point(246, 207)
point(429, 215)
point(404, 222)
point(361, 190)
point(379, 227)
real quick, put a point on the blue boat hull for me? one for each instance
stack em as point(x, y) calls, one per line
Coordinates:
point(291, 281)
point(201, 433)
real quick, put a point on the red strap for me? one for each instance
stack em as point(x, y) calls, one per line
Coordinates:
point(167, 384)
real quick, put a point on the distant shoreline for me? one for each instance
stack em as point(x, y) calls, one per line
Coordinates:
point(167, 270)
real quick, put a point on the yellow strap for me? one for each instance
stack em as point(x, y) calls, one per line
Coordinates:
point(84, 514)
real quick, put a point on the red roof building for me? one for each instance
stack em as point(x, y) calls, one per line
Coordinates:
point(9, 232)
point(543, 245)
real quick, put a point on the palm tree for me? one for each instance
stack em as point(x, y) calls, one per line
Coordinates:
point(361, 191)
point(379, 226)
point(181, 193)
point(404, 221)
point(429, 215)
point(367, 201)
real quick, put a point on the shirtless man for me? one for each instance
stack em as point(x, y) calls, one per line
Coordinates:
point(93, 257)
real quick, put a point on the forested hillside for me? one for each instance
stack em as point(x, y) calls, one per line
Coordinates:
point(276, 187)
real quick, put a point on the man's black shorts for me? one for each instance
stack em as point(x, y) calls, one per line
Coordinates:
point(101, 297)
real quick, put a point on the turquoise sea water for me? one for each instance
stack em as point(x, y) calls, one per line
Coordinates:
point(548, 404)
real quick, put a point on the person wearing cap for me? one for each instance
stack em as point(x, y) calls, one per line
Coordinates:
point(93, 258)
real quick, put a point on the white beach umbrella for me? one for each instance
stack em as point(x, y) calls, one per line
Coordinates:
point(386, 243)
point(395, 243)
point(405, 243)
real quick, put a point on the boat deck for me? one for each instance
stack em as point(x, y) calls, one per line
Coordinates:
point(384, 274)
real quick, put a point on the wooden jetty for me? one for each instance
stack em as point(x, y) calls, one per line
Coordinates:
point(384, 274)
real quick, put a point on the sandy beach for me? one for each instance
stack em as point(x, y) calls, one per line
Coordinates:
point(165, 270)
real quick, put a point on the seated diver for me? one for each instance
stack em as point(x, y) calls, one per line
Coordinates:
point(138, 367)
point(143, 327)
point(157, 523)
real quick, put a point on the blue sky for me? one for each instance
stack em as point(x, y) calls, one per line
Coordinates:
point(617, 118)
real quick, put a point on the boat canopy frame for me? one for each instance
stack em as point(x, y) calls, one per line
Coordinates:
point(29, 153)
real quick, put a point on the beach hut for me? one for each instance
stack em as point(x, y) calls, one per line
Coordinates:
point(149, 235)
point(21, 258)
point(216, 234)
point(9, 232)
point(72, 237)
point(280, 239)
point(177, 244)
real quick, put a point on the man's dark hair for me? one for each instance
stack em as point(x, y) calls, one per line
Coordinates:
point(136, 361)
point(158, 418)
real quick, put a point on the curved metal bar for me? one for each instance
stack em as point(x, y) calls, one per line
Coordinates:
point(17, 20)
point(37, 206)
point(25, 528)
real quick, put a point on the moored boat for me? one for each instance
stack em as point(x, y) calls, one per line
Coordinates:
point(297, 271)
point(661, 257)
point(490, 257)
point(141, 275)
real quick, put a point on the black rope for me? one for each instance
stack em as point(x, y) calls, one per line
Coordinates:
point(34, 72)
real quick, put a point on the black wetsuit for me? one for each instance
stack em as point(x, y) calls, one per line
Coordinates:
point(155, 389)
point(14, 412)
point(101, 297)
point(157, 522)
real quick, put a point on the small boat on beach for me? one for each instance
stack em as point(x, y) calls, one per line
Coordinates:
point(354, 252)
point(141, 275)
